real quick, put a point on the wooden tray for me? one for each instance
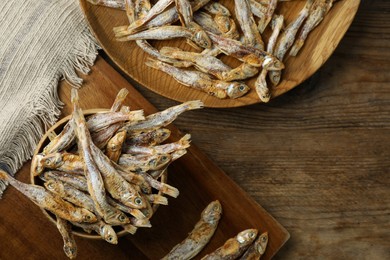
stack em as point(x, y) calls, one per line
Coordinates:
point(130, 58)
point(199, 180)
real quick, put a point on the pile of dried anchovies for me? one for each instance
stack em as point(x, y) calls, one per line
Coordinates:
point(106, 170)
point(209, 27)
point(243, 246)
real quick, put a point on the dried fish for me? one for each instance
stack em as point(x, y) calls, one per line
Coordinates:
point(202, 81)
point(261, 87)
point(77, 181)
point(287, 38)
point(117, 4)
point(247, 23)
point(234, 247)
point(257, 249)
point(205, 63)
point(104, 230)
point(120, 98)
point(92, 174)
point(148, 138)
point(66, 162)
point(70, 247)
point(200, 235)
point(163, 118)
point(49, 201)
point(317, 13)
point(266, 18)
point(114, 146)
point(242, 72)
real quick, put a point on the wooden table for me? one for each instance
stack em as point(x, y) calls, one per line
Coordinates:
point(315, 158)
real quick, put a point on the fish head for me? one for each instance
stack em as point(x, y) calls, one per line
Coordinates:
point(163, 160)
point(275, 77)
point(237, 89)
point(162, 134)
point(212, 212)
point(246, 237)
point(88, 216)
point(139, 201)
point(37, 165)
point(272, 63)
point(70, 251)
point(263, 91)
point(202, 40)
point(52, 160)
point(54, 186)
point(261, 243)
point(108, 234)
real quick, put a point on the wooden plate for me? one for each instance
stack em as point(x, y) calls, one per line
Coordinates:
point(130, 58)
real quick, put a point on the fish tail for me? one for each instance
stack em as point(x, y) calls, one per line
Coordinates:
point(194, 104)
point(137, 115)
point(137, 214)
point(296, 47)
point(141, 223)
point(74, 96)
point(122, 94)
point(185, 141)
point(157, 199)
point(169, 190)
point(129, 228)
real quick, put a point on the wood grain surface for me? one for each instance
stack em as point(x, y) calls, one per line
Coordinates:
point(130, 58)
point(316, 158)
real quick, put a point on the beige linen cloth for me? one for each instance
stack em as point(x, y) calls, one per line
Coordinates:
point(41, 42)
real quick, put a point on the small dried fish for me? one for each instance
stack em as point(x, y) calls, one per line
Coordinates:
point(117, 4)
point(258, 9)
point(101, 138)
point(49, 201)
point(163, 187)
point(257, 249)
point(104, 230)
point(163, 118)
point(70, 247)
point(66, 162)
point(205, 63)
point(245, 18)
point(77, 181)
point(144, 162)
point(242, 72)
point(200, 235)
point(71, 194)
point(120, 98)
point(148, 138)
point(266, 18)
point(234, 247)
point(62, 141)
point(183, 143)
point(92, 174)
point(158, 8)
point(261, 87)
point(99, 121)
point(165, 33)
point(250, 55)
point(287, 38)
point(129, 210)
point(317, 13)
point(114, 146)
point(202, 81)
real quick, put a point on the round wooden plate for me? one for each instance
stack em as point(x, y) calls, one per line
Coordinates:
point(320, 44)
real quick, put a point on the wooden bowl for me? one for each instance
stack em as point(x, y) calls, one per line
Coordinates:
point(57, 128)
point(318, 47)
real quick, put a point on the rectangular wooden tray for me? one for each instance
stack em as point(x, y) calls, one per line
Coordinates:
point(28, 234)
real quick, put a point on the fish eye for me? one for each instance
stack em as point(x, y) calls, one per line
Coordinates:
point(109, 238)
point(252, 235)
point(50, 186)
point(241, 88)
point(138, 201)
point(88, 217)
point(164, 158)
point(121, 217)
